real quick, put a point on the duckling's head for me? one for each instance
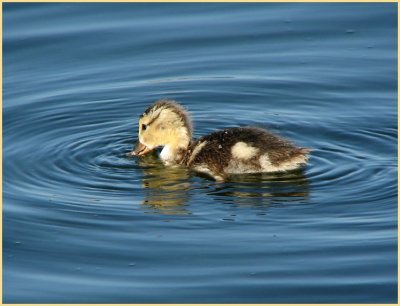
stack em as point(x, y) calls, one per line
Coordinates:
point(165, 123)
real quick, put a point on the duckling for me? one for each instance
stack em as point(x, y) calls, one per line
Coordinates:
point(222, 153)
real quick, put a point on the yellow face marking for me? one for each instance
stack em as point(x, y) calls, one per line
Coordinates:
point(161, 127)
point(151, 131)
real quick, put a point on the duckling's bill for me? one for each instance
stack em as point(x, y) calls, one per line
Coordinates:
point(140, 149)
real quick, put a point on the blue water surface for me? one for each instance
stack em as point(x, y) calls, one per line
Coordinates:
point(83, 223)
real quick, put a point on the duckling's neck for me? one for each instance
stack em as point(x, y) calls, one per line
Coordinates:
point(173, 152)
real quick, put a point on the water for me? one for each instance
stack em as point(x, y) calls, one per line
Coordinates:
point(82, 223)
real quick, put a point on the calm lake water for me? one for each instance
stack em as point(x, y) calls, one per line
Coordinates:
point(82, 223)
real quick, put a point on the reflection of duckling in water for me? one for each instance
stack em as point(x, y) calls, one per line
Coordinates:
point(266, 187)
point(166, 192)
point(169, 192)
point(230, 151)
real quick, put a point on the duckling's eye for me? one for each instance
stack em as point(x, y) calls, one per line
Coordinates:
point(144, 127)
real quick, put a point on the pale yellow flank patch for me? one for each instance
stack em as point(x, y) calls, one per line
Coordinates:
point(265, 162)
point(196, 151)
point(242, 150)
point(203, 168)
point(287, 165)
